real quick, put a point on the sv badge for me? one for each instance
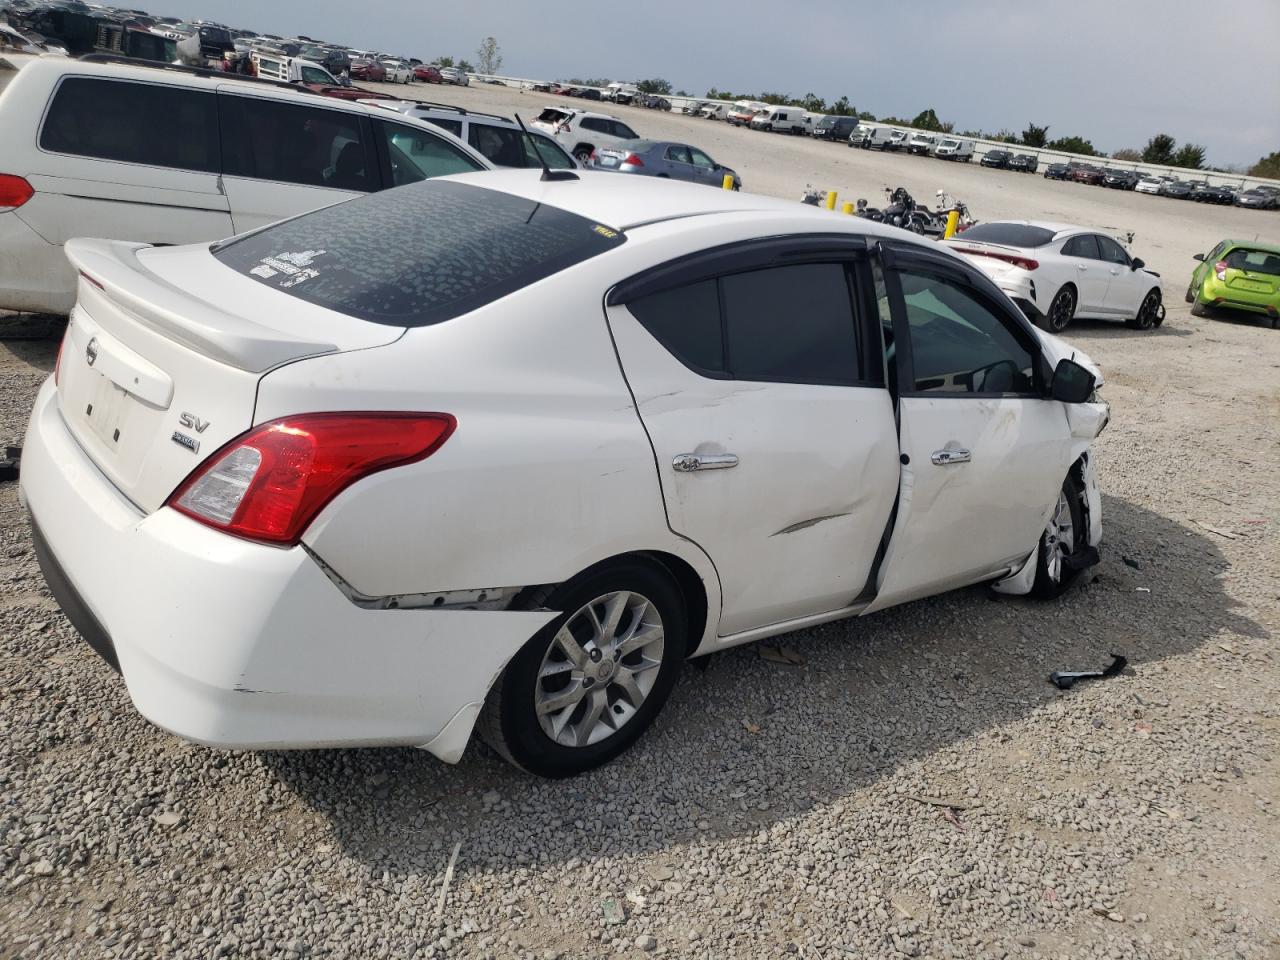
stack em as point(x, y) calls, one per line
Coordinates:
point(192, 422)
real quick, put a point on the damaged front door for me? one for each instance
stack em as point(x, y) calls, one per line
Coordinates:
point(772, 433)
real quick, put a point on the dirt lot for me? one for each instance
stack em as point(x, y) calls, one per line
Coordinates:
point(775, 810)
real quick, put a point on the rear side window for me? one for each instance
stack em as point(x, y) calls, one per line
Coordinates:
point(510, 147)
point(552, 115)
point(457, 247)
point(1082, 246)
point(789, 324)
point(453, 126)
point(144, 123)
point(291, 143)
point(622, 130)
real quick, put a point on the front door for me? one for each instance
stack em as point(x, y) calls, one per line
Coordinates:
point(1126, 286)
point(984, 453)
point(772, 432)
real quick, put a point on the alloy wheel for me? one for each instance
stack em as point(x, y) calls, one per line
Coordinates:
point(599, 668)
point(1059, 538)
point(1061, 310)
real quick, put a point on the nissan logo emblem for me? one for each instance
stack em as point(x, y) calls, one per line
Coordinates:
point(91, 351)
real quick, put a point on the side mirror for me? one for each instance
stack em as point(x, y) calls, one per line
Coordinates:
point(1138, 263)
point(1071, 382)
point(1198, 256)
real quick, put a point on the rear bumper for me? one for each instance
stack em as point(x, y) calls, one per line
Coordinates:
point(1214, 293)
point(34, 273)
point(235, 644)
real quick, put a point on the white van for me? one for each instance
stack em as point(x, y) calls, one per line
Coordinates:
point(167, 156)
point(779, 120)
point(809, 121)
point(868, 135)
point(922, 143)
point(714, 111)
point(743, 111)
point(953, 148)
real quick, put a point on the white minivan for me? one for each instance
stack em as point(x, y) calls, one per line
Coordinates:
point(168, 156)
point(868, 135)
point(779, 120)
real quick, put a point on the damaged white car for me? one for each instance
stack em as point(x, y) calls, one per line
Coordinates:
point(304, 490)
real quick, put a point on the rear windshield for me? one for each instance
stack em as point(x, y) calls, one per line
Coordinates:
point(1255, 261)
point(1009, 234)
point(552, 115)
point(458, 247)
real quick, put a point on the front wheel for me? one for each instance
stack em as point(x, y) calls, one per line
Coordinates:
point(1063, 543)
point(591, 681)
point(1148, 314)
point(1061, 310)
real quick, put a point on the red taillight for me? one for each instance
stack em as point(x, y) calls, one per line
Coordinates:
point(1026, 263)
point(1220, 268)
point(270, 483)
point(633, 160)
point(14, 191)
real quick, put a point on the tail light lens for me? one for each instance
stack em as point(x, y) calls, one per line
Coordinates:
point(1026, 263)
point(1220, 268)
point(269, 484)
point(634, 160)
point(14, 191)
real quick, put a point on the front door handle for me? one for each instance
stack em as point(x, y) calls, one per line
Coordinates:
point(689, 462)
point(946, 457)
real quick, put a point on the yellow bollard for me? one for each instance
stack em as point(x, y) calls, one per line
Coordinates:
point(953, 221)
point(831, 200)
point(727, 183)
point(847, 209)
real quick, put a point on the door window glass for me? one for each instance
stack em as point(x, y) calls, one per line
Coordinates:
point(623, 131)
point(701, 159)
point(1083, 245)
point(287, 142)
point(686, 320)
point(594, 125)
point(678, 154)
point(416, 154)
point(145, 123)
point(1112, 252)
point(958, 345)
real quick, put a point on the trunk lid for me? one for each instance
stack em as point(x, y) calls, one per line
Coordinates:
point(155, 374)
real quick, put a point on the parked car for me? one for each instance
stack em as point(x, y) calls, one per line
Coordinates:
point(1057, 171)
point(370, 71)
point(622, 93)
point(1086, 173)
point(191, 156)
point(540, 87)
point(455, 76)
point(581, 132)
point(836, 129)
point(1178, 189)
point(693, 108)
point(954, 148)
point(742, 111)
point(587, 501)
point(1119, 179)
point(1259, 198)
point(654, 102)
point(1056, 273)
point(922, 143)
point(588, 93)
point(428, 73)
point(869, 135)
point(337, 62)
point(779, 120)
point(398, 71)
point(1242, 276)
point(1213, 193)
point(1150, 184)
point(997, 159)
point(499, 140)
point(663, 158)
point(1024, 163)
point(714, 111)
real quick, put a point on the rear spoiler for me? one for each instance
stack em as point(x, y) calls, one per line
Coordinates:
point(113, 267)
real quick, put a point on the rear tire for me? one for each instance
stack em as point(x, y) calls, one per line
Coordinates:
point(611, 658)
point(1198, 309)
point(1061, 310)
point(1063, 539)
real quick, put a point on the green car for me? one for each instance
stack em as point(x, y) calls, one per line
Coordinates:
point(1237, 275)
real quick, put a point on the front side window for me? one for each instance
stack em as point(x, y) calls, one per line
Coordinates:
point(622, 130)
point(144, 123)
point(291, 143)
point(416, 154)
point(315, 75)
point(792, 324)
point(1112, 252)
point(700, 159)
point(958, 344)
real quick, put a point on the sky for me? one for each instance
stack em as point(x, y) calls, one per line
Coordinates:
point(1113, 71)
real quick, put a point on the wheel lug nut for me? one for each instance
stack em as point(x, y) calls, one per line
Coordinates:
point(588, 682)
point(595, 655)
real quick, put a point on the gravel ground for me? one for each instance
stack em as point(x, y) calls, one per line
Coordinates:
point(775, 810)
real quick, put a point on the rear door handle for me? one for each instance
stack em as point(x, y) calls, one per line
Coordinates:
point(946, 457)
point(689, 462)
point(1081, 266)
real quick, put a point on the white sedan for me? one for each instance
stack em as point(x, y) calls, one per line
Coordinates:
point(304, 490)
point(398, 71)
point(455, 75)
point(1056, 272)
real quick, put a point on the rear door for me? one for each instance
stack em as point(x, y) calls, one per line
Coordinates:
point(1088, 272)
point(128, 160)
point(983, 454)
point(773, 433)
point(281, 158)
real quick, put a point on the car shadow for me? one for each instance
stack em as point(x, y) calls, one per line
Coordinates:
point(871, 695)
point(1086, 329)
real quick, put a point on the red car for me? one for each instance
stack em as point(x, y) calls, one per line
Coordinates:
point(427, 73)
point(370, 71)
point(1088, 174)
point(345, 93)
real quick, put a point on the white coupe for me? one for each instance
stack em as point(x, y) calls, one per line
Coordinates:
point(302, 489)
point(1056, 272)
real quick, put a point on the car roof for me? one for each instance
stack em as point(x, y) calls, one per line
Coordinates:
point(1058, 229)
point(1254, 245)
